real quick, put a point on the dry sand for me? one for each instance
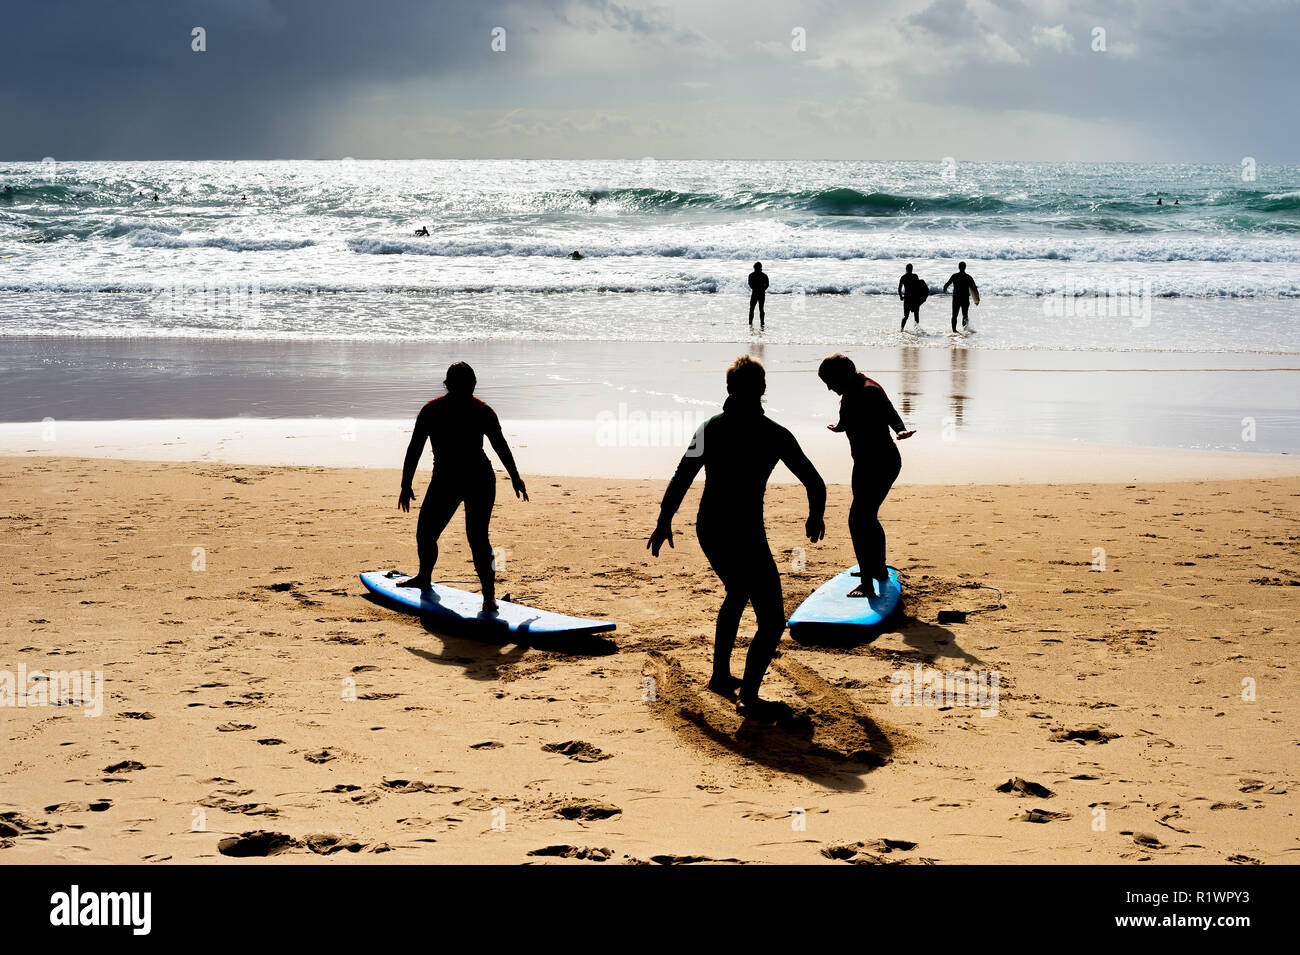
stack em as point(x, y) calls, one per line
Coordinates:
point(227, 708)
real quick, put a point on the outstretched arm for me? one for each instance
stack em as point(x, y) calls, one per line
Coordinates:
point(949, 282)
point(803, 469)
point(690, 466)
point(891, 415)
point(498, 442)
point(419, 436)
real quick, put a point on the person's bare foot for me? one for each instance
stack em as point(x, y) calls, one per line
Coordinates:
point(859, 591)
point(421, 583)
point(490, 605)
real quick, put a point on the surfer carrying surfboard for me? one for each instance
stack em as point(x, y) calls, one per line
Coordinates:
point(738, 450)
point(913, 291)
point(456, 425)
point(963, 286)
point(866, 417)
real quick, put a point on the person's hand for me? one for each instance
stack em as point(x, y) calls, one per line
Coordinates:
point(662, 533)
point(404, 502)
point(815, 528)
point(904, 435)
point(518, 484)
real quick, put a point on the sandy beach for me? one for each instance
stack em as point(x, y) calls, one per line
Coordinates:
point(255, 702)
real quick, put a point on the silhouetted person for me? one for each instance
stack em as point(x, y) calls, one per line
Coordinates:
point(1160, 202)
point(456, 425)
point(913, 291)
point(155, 197)
point(575, 255)
point(422, 231)
point(738, 450)
point(866, 416)
point(962, 286)
point(757, 294)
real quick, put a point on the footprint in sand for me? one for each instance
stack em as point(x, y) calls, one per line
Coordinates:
point(14, 824)
point(578, 750)
point(584, 811)
point(1042, 815)
point(99, 805)
point(876, 852)
point(1083, 735)
point(126, 766)
point(415, 786)
point(1023, 787)
point(261, 843)
point(588, 853)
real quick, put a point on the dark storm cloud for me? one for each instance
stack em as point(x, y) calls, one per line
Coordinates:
point(118, 78)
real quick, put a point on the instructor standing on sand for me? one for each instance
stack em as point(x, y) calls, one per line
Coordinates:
point(757, 294)
point(738, 450)
point(456, 425)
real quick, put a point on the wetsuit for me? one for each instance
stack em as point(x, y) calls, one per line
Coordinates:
point(757, 295)
point(456, 426)
point(866, 415)
point(910, 291)
point(738, 450)
point(962, 284)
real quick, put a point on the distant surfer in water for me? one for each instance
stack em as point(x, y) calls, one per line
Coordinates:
point(575, 255)
point(758, 294)
point(962, 287)
point(866, 417)
point(738, 450)
point(913, 291)
point(422, 231)
point(456, 425)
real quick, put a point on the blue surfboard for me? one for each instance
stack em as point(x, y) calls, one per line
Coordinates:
point(464, 610)
point(830, 611)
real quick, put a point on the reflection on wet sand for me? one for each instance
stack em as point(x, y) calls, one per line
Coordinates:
point(957, 367)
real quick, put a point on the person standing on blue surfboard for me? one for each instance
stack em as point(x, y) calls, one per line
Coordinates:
point(866, 417)
point(738, 450)
point(456, 425)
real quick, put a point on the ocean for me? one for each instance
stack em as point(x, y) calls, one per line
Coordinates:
point(1068, 256)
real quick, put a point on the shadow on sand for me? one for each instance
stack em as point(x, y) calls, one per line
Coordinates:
point(484, 649)
point(829, 739)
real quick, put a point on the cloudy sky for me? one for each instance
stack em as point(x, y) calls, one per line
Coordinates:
point(1177, 80)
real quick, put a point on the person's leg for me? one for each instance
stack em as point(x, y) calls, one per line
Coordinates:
point(965, 314)
point(762, 309)
point(753, 300)
point(865, 529)
point(904, 325)
point(440, 503)
point(727, 561)
point(955, 309)
point(769, 611)
point(478, 517)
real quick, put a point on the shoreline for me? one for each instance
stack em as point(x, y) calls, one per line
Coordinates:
point(1227, 402)
point(617, 449)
